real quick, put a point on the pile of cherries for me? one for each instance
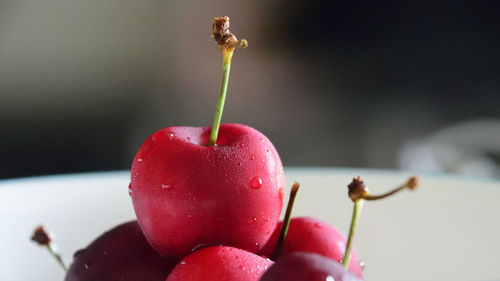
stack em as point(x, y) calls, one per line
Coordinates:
point(207, 202)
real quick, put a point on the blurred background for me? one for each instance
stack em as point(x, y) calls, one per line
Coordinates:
point(399, 84)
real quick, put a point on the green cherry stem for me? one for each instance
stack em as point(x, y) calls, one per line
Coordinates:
point(41, 237)
point(411, 184)
point(57, 256)
point(358, 205)
point(358, 192)
point(226, 68)
point(286, 222)
point(227, 43)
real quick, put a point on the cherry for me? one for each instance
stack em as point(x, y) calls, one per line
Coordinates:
point(186, 194)
point(213, 185)
point(306, 234)
point(121, 254)
point(300, 266)
point(217, 263)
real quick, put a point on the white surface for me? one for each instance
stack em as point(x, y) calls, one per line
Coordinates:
point(446, 230)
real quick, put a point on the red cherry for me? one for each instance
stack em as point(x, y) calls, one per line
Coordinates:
point(187, 194)
point(306, 234)
point(300, 266)
point(121, 254)
point(220, 263)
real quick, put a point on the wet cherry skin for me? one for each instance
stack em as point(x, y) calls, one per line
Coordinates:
point(121, 254)
point(300, 266)
point(186, 194)
point(306, 234)
point(216, 263)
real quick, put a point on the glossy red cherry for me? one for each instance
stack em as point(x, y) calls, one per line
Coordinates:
point(300, 266)
point(187, 194)
point(306, 234)
point(218, 263)
point(121, 254)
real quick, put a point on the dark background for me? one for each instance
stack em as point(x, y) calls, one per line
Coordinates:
point(331, 83)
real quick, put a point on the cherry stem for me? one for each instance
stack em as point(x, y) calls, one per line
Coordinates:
point(411, 184)
point(358, 192)
point(286, 222)
point(42, 238)
point(57, 256)
point(227, 43)
point(358, 204)
point(226, 68)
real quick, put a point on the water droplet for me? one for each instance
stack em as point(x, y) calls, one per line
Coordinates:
point(256, 183)
point(170, 136)
point(182, 262)
point(87, 265)
point(253, 157)
point(329, 278)
point(252, 220)
point(166, 186)
point(268, 150)
point(281, 192)
point(140, 159)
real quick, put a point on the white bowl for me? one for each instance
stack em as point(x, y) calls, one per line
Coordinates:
point(447, 230)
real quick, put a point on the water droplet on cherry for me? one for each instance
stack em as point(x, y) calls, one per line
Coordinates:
point(256, 183)
point(281, 193)
point(166, 186)
point(140, 159)
point(253, 157)
point(329, 278)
